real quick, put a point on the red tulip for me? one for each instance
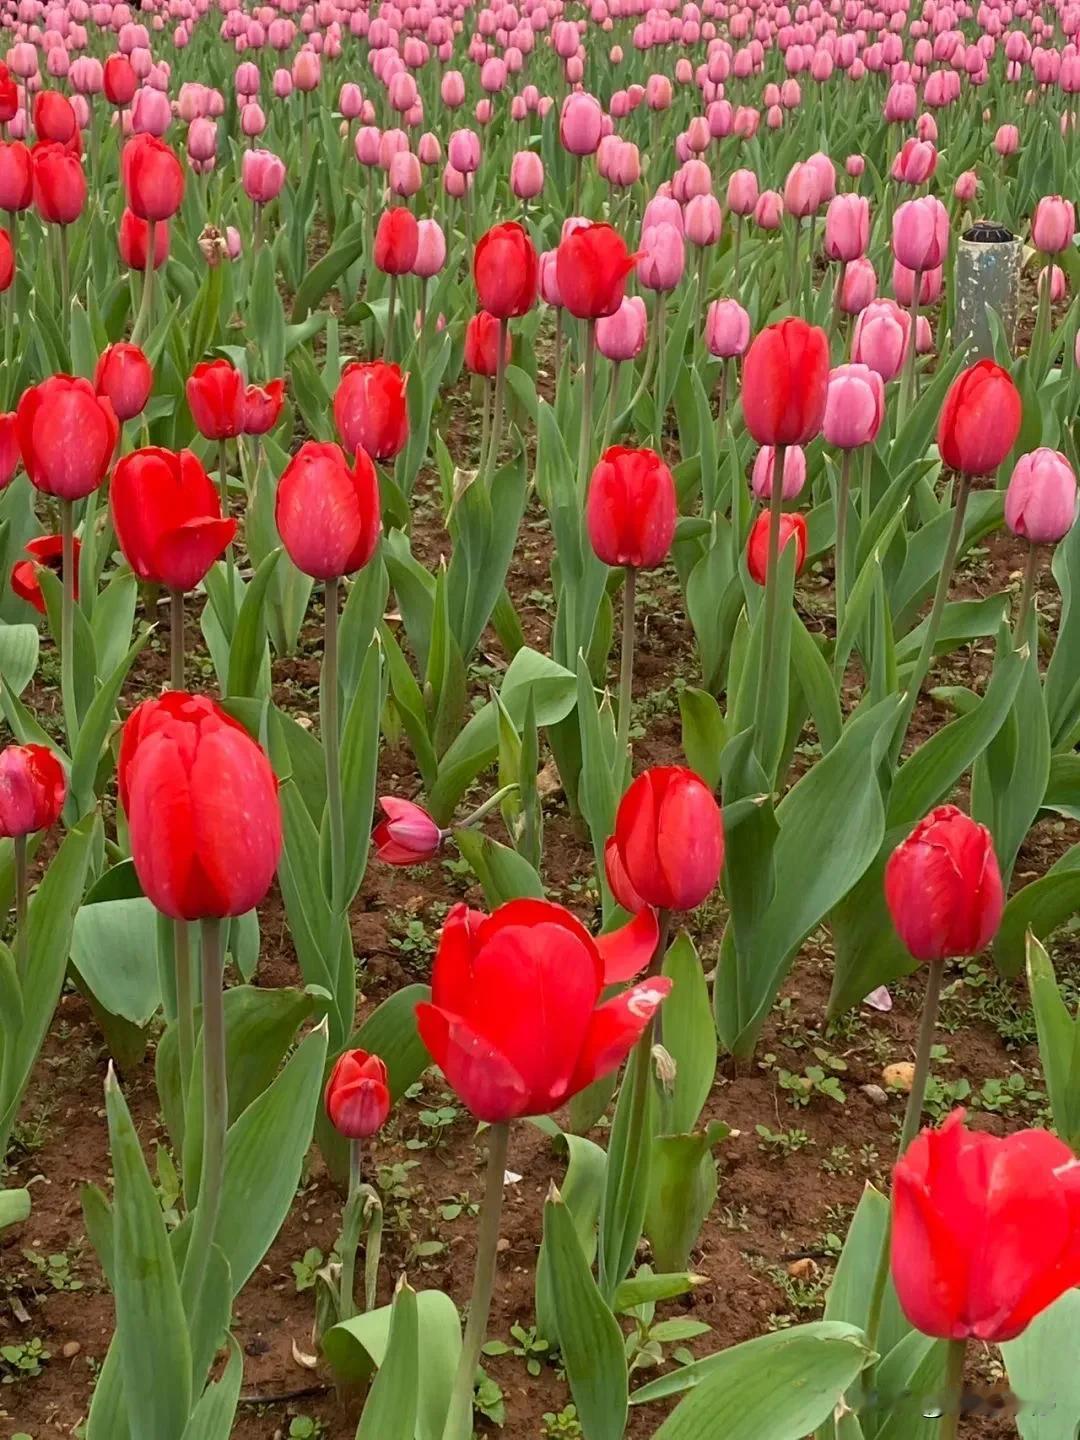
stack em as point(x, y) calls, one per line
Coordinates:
point(133, 241)
point(120, 79)
point(943, 887)
point(785, 382)
point(9, 449)
point(408, 835)
point(59, 184)
point(631, 508)
point(7, 261)
point(396, 241)
point(16, 176)
point(514, 1021)
point(125, 377)
point(792, 526)
point(153, 178)
point(33, 787)
point(980, 419)
point(54, 118)
point(371, 411)
point(506, 271)
point(216, 398)
point(9, 96)
point(985, 1232)
point(358, 1095)
point(262, 406)
point(591, 267)
point(202, 809)
point(46, 553)
point(328, 514)
point(482, 344)
point(67, 436)
point(167, 517)
point(668, 846)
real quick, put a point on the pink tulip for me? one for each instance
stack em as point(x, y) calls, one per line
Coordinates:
point(742, 192)
point(430, 249)
point(916, 162)
point(1058, 284)
point(769, 210)
point(920, 233)
point(151, 113)
point(967, 183)
point(854, 408)
point(930, 285)
point(764, 472)
point(1040, 503)
point(727, 329)
point(262, 174)
point(549, 284)
point(526, 174)
point(881, 338)
point(847, 227)
point(452, 89)
point(1007, 140)
point(404, 175)
point(703, 221)
point(581, 124)
point(802, 191)
point(1053, 225)
point(252, 120)
point(662, 258)
point(622, 336)
point(855, 165)
point(202, 140)
point(463, 151)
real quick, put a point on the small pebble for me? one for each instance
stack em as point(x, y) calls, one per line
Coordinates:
point(900, 1076)
point(71, 1349)
point(875, 1094)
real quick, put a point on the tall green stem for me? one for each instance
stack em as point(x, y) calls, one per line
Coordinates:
point(772, 580)
point(388, 339)
point(215, 1118)
point(842, 502)
point(185, 994)
point(331, 739)
point(22, 896)
point(954, 1389)
point(609, 409)
point(459, 1416)
point(230, 553)
point(146, 306)
point(176, 639)
point(350, 1231)
point(1027, 592)
point(908, 382)
point(661, 377)
point(933, 624)
point(585, 445)
point(67, 622)
point(626, 672)
point(65, 278)
point(500, 393)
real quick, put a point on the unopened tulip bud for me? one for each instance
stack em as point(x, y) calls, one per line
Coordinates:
point(1040, 503)
point(764, 472)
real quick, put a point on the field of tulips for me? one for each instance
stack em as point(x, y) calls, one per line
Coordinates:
point(539, 652)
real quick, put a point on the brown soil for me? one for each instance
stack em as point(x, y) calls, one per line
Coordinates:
point(766, 1250)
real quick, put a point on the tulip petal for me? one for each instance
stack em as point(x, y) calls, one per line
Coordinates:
point(184, 555)
point(162, 825)
point(626, 951)
point(236, 819)
point(452, 974)
point(928, 1269)
point(474, 1067)
point(614, 1030)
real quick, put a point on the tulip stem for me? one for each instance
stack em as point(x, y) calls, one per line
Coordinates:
point(486, 808)
point(147, 304)
point(1027, 593)
point(67, 621)
point(485, 429)
point(585, 447)
point(772, 587)
point(388, 338)
point(925, 1044)
point(842, 502)
point(176, 639)
point(497, 409)
point(185, 1008)
point(626, 674)
point(933, 624)
point(331, 739)
point(736, 246)
point(65, 279)
point(230, 556)
point(609, 411)
point(22, 894)
point(909, 381)
point(954, 1389)
point(215, 1118)
point(350, 1231)
point(459, 1416)
point(661, 378)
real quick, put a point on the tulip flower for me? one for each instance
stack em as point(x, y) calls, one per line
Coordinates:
point(785, 380)
point(881, 338)
point(847, 227)
point(33, 788)
point(662, 258)
point(506, 271)
point(125, 377)
point(527, 175)
point(621, 336)
point(153, 179)
point(45, 553)
point(9, 449)
point(980, 419)
point(482, 346)
point(396, 241)
point(764, 472)
point(133, 242)
point(1040, 503)
point(262, 407)
point(357, 1095)
point(16, 177)
point(59, 185)
point(858, 287)
point(328, 514)
point(727, 329)
point(581, 124)
point(985, 1232)
point(591, 268)
point(668, 847)
point(408, 835)
point(215, 396)
point(430, 250)
point(67, 435)
point(262, 175)
point(1053, 225)
point(370, 409)
point(792, 527)
point(854, 407)
point(120, 81)
point(517, 1026)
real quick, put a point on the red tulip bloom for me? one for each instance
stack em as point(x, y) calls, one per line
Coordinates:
point(46, 553)
point(54, 117)
point(515, 1022)
point(792, 527)
point(9, 449)
point(120, 79)
point(631, 508)
point(133, 241)
point(167, 517)
point(943, 887)
point(980, 419)
point(202, 810)
point(125, 377)
point(408, 835)
point(482, 344)
point(153, 178)
point(668, 846)
point(9, 95)
point(396, 241)
point(985, 1232)
point(151, 715)
point(33, 787)
point(216, 396)
point(785, 383)
point(371, 410)
point(7, 261)
point(358, 1095)
point(67, 435)
point(16, 176)
point(59, 184)
point(591, 267)
point(262, 406)
point(506, 270)
point(328, 513)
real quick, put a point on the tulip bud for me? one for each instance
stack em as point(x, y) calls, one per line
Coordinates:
point(763, 473)
point(855, 407)
point(943, 887)
point(727, 329)
point(792, 528)
point(979, 420)
point(621, 336)
point(631, 508)
point(526, 175)
point(33, 787)
point(668, 847)
point(1040, 503)
point(357, 1096)
point(408, 835)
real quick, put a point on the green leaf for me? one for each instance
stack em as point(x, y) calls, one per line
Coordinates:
point(14, 1207)
point(97, 721)
point(582, 1191)
point(626, 1188)
point(114, 949)
point(647, 1289)
point(704, 734)
point(1059, 1044)
point(777, 1387)
point(1039, 908)
point(1043, 1372)
point(359, 771)
point(355, 1348)
point(326, 272)
point(248, 649)
point(588, 1333)
point(812, 672)
point(18, 655)
point(390, 1412)
point(682, 1188)
point(151, 1331)
point(853, 1280)
point(912, 1371)
point(213, 1416)
point(503, 873)
point(689, 1036)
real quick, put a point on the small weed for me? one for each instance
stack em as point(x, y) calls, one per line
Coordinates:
point(838, 1161)
point(814, 1080)
point(528, 1346)
point(55, 1270)
point(23, 1362)
point(459, 1205)
point(414, 938)
point(488, 1399)
point(782, 1142)
point(435, 1123)
point(304, 1269)
point(563, 1426)
point(303, 1427)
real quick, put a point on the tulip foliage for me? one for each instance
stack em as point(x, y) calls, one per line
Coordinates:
point(367, 373)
